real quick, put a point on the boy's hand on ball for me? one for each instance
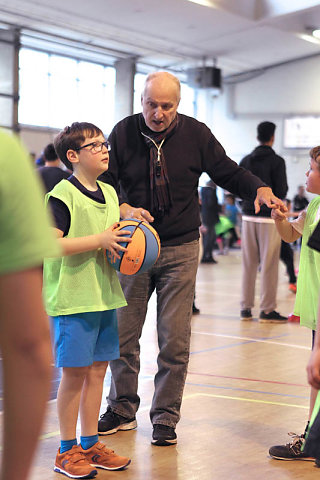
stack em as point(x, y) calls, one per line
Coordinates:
point(111, 239)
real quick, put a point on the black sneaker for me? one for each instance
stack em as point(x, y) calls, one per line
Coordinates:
point(290, 451)
point(111, 422)
point(209, 260)
point(246, 314)
point(272, 317)
point(195, 310)
point(163, 435)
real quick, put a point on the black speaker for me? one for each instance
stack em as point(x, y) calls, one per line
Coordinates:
point(204, 77)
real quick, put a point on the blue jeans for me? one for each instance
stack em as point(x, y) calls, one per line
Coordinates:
point(173, 277)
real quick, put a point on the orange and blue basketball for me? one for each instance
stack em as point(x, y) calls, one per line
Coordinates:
point(142, 252)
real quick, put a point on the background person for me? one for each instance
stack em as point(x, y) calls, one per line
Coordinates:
point(209, 218)
point(260, 241)
point(25, 239)
point(156, 160)
point(52, 172)
point(300, 201)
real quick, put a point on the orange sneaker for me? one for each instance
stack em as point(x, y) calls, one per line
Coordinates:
point(100, 456)
point(74, 464)
point(293, 287)
point(293, 318)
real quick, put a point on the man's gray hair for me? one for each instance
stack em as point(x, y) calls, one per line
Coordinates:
point(166, 76)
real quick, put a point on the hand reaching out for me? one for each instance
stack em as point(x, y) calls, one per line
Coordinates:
point(266, 196)
point(278, 215)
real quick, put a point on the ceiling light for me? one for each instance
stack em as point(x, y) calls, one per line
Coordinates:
point(309, 38)
point(316, 33)
point(204, 3)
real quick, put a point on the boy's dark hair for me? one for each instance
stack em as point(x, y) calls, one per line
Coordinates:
point(71, 138)
point(49, 153)
point(265, 131)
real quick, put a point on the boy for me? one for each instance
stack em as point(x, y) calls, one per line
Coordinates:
point(82, 291)
point(308, 286)
point(312, 444)
point(26, 237)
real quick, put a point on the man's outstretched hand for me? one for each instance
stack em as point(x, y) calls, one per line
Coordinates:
point(266, 197)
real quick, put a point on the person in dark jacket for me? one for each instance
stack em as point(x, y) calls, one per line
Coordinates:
point(156, 159)
point(260, 240)
point(300, 202)
point(51, 172)
point(209, 217)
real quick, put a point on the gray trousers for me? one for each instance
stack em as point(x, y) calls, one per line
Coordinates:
point(173, 277)
point(260, 244)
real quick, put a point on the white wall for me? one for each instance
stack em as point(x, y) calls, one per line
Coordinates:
point(36, 139)
point(291, 89)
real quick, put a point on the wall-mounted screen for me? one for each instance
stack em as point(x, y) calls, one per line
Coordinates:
point(301, 132)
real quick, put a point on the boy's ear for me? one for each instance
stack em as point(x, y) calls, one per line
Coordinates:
point(72, 156)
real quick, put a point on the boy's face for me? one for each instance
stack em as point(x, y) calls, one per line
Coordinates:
point(313, 177)
point(94, 157)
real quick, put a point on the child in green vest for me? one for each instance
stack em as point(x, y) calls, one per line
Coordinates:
point(308, 286)
point(82, 293)
point(312, 444)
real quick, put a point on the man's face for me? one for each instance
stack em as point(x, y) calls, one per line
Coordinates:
point(160, 101)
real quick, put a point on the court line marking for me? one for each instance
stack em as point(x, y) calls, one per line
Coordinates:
point(260, 392)
point(56, 433)
point(243, 399)
point(257, 340)
point(248, 379)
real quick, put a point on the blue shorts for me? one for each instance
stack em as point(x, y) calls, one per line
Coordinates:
point(83, 338)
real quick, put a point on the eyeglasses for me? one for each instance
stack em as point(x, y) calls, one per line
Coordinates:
point(96, 147)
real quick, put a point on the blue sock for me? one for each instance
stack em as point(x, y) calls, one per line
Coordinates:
point(88, 442)
point(67, 444)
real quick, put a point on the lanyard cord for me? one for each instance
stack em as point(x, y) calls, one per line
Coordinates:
point(158, 147)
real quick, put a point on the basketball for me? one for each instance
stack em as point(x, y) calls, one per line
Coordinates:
point(143, 251)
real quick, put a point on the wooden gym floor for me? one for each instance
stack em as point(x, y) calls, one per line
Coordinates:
point(246, 388)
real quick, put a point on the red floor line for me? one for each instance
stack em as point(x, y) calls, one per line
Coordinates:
point(248, 379)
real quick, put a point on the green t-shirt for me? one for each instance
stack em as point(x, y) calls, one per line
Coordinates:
point(26, 236)
point(84, 282)
point(308, 286)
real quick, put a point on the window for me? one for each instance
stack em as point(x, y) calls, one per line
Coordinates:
point(301, 132)
point(56, 91)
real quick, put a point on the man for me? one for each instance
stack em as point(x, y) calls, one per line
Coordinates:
point(210, 217)
point(300, 202)
point(52, 172)
point(25, 239)
point(156, 158)
point(260, 240)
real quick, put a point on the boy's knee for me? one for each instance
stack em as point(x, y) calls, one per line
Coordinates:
point(99, 369)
